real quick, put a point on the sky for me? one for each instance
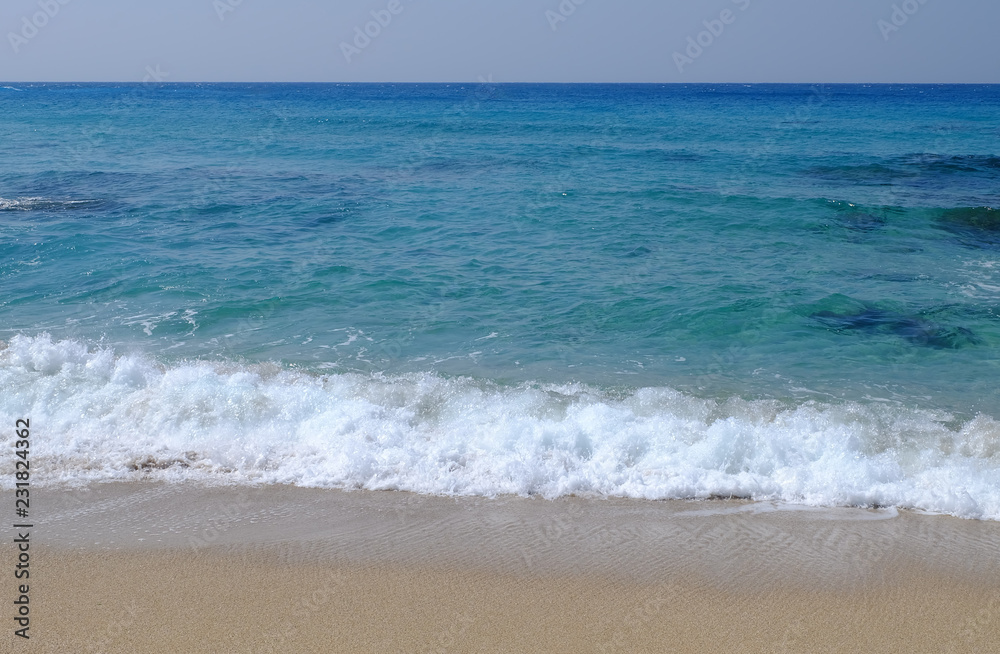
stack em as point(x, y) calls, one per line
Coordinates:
point(830, 41)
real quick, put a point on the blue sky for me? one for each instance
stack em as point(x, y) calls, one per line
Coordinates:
point(501, 40)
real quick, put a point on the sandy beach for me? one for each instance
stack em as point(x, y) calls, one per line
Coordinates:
point(159, 568)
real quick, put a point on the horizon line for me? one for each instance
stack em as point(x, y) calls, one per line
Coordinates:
point(495, 83)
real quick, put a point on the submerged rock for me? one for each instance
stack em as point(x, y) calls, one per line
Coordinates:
point(914, 329)
point(984, 218)
point(976, 226)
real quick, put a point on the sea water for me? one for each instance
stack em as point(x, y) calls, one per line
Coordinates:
point(779, 292)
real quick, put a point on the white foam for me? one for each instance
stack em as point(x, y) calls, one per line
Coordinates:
point(100, 415)
point(10, 204)
point(31, 203)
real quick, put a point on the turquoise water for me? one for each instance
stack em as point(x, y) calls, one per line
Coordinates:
point(786, 248)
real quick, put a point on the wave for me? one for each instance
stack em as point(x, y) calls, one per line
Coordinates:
point(43, 204)
point(98, 415)
point(985, 219)
point(977, 227)
point(912, 166)
point(945, 163)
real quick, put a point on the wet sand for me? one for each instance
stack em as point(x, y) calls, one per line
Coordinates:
point(156, 568)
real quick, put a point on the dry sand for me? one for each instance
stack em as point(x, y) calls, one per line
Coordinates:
point(153, 568)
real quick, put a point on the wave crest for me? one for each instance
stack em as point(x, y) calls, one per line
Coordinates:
point(98, 415)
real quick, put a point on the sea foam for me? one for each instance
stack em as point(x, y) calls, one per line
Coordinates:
point(99, 415)
point(45, 204)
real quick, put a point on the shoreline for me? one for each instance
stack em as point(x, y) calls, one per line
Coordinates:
point(158, 568)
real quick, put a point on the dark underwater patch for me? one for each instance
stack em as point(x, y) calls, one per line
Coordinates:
point(980, 218)
point(913, 328)
point(873, 174)
point(975, 226)
point(878, 275)
point(861, 219)
point(336, 215)
point(913, 171)
point(965, 163)
point(638, 252)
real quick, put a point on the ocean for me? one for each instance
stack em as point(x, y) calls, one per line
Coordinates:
point(779, 292)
